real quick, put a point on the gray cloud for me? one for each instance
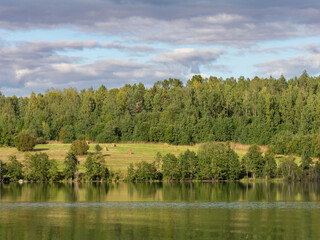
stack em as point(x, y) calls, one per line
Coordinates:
point(309, 48)
point(110, 72)
point(35, 61)
point(38, 66)
point(191, 22)
point(223, 29)
point(137, 49)
point(189, 57)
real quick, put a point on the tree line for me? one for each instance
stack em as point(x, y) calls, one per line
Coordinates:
point(218, 162)
point(213, 162)
point(250, 111)
point(39, 168)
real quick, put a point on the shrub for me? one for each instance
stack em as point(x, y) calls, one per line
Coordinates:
point(218, 162)
point(98, 148)
point(115, 174)
point(38, 167)
point(170, 167)
point(142, 171)
point(3, 170)
point(95, 168)
point(14, 168)
point(79, 147)
point(289, 169)
point(41, 140)
point(25, 142)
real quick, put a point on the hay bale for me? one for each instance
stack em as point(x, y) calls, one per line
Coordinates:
point(113, 145)
point(105, 149)
point(166, 145)
point(175, 149)
point(87, 142)
point(129, 151)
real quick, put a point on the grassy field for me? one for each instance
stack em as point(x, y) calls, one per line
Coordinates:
point(117, 157)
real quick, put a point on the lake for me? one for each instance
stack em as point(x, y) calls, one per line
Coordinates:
point(160, 211)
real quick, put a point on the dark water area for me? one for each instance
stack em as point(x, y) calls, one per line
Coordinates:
point(160, 211)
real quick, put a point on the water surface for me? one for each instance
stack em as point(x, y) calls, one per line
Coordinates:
point(160, 211)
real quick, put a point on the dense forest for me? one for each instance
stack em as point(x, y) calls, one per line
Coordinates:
point(280, 112)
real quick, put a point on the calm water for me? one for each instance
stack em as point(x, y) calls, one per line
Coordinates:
point(160, 211)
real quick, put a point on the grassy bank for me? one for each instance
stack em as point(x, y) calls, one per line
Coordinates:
point(117, 157)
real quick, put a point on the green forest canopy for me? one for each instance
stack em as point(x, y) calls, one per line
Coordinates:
point(252, 111)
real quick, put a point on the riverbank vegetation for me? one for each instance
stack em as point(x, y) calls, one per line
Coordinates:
point(210, 162)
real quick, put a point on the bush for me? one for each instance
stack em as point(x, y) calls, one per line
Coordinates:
point(38, 167)
point(171, 167)
point(25, 142)
point(95, 168)
point(98, 148)
point(79, 147)
point(218, 162)
point(41, 140)
point(142, 171)
point(14, 169)
point(3, 171)
point(289, 169)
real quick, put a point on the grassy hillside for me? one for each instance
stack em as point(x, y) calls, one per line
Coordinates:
point(116, 157)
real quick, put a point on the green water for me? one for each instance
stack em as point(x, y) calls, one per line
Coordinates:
point(160, 211)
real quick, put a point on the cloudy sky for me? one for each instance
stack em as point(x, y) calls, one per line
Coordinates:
point(85, 43)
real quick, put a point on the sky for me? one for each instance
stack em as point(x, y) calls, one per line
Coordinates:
point(86, 43)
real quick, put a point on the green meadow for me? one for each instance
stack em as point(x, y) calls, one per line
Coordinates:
point(118, 158)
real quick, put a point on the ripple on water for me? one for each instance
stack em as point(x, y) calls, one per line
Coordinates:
point(170, 205)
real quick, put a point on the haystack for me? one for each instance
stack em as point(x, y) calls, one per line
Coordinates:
point(129, 151)
point(87, 142)
point(105, 149)
point(175, 149)
point(166, 145)
point(113, 145)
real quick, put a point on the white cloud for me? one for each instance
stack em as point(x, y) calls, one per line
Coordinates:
point(38, 66)
point(189, 57)
point(290, 67)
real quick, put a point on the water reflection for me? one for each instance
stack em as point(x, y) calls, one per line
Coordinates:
point(160, 211)
point(168, 192)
